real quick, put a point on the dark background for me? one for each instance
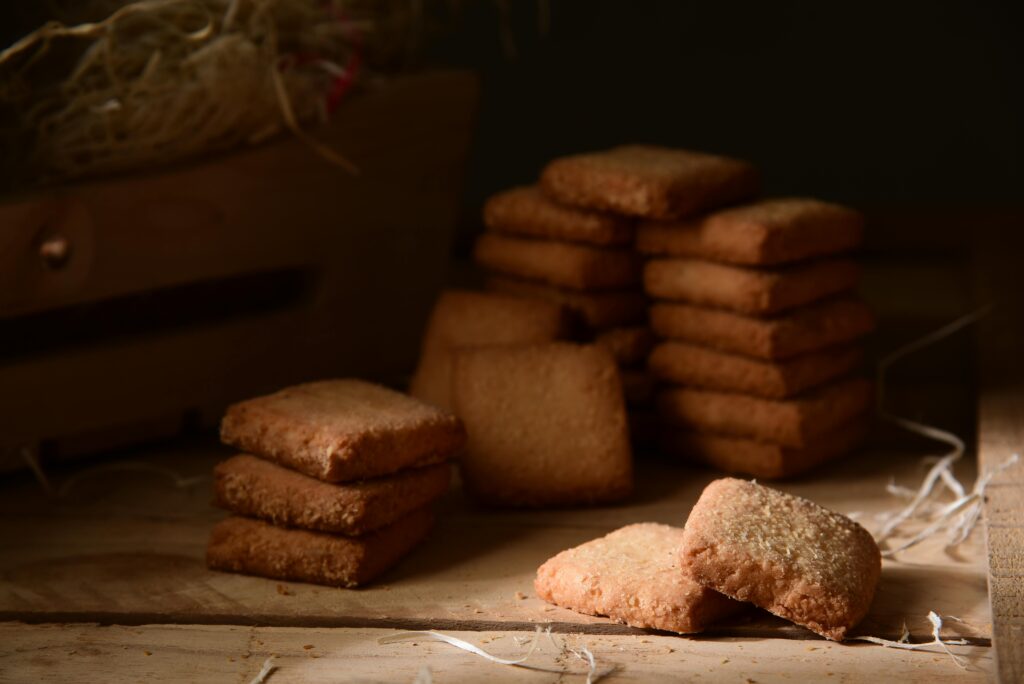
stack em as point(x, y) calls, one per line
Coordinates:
point(899, 104)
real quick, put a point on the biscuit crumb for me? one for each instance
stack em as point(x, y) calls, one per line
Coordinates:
point(284, 591)
point(308, 646)
point(725, 660)
point(148, 653)
point(520, 596)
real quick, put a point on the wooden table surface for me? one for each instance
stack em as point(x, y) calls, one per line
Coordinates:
point(125, 549)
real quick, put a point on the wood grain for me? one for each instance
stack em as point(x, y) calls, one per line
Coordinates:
point(128, 548)
point(198, 653)
point(1001, 434)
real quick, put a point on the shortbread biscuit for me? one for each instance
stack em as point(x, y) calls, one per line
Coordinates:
point(564, 264)
point(743, 456)
point(704, 367)
point(339, 430)
point(251, 486)
point(756, 291)
point(599, 310)
point(546, 425)
point(630, 346)
point(467, 319)
point(254, 547)
point(765, 233)
point(783, 553)
point(648, 181)
point(527, 211)
point(633, 576)
point(801, 331)
point(789, 422)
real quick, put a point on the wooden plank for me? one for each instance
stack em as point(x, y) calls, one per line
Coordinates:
point(1001, 433)
point(129, 549)
point(196, 653)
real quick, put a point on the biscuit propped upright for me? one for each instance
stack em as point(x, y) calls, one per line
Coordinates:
point(340, 430)
point(633, 576)
point(648, 181)
point(782, 553)
point(546, 425)
point(462, 318)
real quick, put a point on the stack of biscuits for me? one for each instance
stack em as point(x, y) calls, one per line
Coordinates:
point(569, 239)
point(759, 332)
point(336, 483)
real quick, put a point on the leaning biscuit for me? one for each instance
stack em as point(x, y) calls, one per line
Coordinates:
point(564, 264)
point(789, 422)
point(599, 310)
point(467, 319)
point(546, 425)
point(704, 367)
point(632, 576)
point(756, 291)
point(765, 233)
point(629, 345)
point(251, 486)
point(254, 547)
point(647, 181)
point(339, 430)
point(800, 331)
point(526, 211)
point(783, 553)
point(744, 456)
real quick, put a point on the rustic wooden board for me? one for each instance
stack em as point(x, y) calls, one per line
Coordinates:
point(1001, 434)
point(198, 653)
point(128, 548)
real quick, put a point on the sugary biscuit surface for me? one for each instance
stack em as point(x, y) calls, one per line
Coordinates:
point(526, 211)
point(254, 547)
point(783, 553)
point(462, 318)
point(648, 181)
point(769, 232)
point(252, 486)
point(339, 430)
point(632, 576)
point(546, 425)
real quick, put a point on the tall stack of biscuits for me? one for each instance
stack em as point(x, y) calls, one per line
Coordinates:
point(569, 239)
point(759, 328)
point(336, 483)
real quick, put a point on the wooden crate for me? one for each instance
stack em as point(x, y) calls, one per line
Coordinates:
point(130, 302)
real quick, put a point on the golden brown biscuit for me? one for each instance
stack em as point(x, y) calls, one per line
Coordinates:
point(800, 331)
point(546, 425)
point(251, 486)
point(647, 181)
point(743, 456)
point(599, 310)
point(783, 553)
point(630, 346)
point(633, 576)
point(707, 368)
point(339, 430)
point(766, 233)
point(526, 211)
point(756, 291)
point(564, 264)
point(253, 547)
point(468, 319)
point(789, 422)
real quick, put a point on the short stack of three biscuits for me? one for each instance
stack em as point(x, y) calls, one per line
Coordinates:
point(759, 331)
point(340, 486)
